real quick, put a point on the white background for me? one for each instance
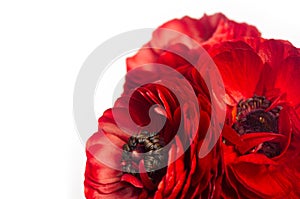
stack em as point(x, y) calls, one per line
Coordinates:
point(42, 47)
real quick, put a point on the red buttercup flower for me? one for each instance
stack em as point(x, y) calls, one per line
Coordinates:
point(147, 145)
point(261, 135)
point(155, 154)
point(128, 175)
point(182, 50)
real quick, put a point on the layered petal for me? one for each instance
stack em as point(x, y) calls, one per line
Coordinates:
point(265, 68)
point(240, 70)
point(190, 33)
point(103, 180)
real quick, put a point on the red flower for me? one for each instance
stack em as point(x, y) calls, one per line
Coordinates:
point(147, 145)
point(185, 175)
point(175, 50)
point(261, 135)
point(181, 172)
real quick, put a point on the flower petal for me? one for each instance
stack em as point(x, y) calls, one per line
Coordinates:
point(240, 70)
point(262, 179)
point(252, 140)
point(288, 80)
point(101, 179)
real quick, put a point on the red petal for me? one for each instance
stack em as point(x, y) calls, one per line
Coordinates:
point(122, 192)
point(132, 180)
point(227, 46)
point(209, 29)
point(284, 125)
point(103, 158)
point(160, 188)
point(144, 194)
point(288, 80)
point(230, 135)
point(274, 52)
point(170, 175)
point(240, 70)
point(230, 30)
point(144, 56)
point(254, 139)
point(121, 129)
point(158, 195)
point(145, 178)
point(101, 179)
point(189, 178)
point(256, 158)
point(179, 184)
point(179, 163)
point(175, 56)
point(263, 180)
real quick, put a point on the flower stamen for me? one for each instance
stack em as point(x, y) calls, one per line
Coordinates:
point(253, 116)
point(146, 146)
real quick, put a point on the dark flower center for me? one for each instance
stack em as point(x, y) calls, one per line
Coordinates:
point(146, 146)
point(253, 116)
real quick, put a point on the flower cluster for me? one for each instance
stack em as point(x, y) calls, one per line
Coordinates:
point(155, 131)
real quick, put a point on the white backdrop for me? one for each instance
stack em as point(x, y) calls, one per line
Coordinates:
point(42, 47)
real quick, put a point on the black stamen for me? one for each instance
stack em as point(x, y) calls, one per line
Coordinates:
point(152, 145)
point(252, 117)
